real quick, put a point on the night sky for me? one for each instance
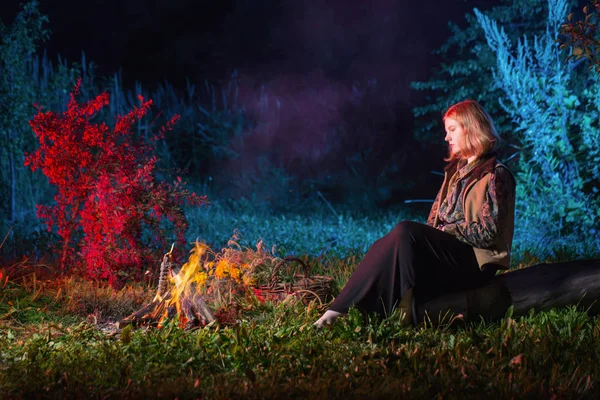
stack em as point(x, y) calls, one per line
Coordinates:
point(312, 55)
point(152, 40)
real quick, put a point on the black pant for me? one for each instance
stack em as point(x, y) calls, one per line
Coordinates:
point(415, 256)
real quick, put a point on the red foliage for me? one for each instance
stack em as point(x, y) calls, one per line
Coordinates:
point(582, 36)
point(106, 189)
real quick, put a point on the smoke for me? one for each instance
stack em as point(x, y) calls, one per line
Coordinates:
point(296, 116)
point(336, 82)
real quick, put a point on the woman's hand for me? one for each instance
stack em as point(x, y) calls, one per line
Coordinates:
point(449, 228)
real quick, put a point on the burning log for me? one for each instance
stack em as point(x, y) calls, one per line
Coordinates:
point(184, 300)
point(182, 294)
point(540, 287)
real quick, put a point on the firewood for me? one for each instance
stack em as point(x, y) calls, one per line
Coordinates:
point(193, 309)
point(199, 307)
point(147, 315)
point(165, 269)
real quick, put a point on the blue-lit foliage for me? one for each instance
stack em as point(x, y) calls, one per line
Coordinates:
point(557, 132)
point(25, 79)
point(465, 70)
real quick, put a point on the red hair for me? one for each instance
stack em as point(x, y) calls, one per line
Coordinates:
point(480, 134)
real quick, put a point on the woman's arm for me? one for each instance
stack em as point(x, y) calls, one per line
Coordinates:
point(434, 210)
point(500, 196)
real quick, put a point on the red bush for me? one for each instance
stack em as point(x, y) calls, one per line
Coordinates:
point(106, 190)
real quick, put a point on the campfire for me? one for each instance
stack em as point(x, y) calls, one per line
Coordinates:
point(185, 292)
point(178, 294)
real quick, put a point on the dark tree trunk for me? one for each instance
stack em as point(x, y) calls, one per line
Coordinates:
point(540, 287)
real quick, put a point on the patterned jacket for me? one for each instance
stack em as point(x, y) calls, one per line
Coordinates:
point(482, 213)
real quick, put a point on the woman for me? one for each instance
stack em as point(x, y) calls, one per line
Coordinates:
point(467, 238)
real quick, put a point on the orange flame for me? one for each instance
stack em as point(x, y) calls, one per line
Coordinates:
point(187, 283)
point(233, 264)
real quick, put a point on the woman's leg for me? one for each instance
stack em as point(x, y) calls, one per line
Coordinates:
point(412, 255)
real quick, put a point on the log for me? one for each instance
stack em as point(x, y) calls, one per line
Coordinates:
point(192, 306)
point(539, 287)
point(193, 309)
point(149, 315)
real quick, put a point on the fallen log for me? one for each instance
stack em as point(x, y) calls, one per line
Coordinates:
point(539, 287)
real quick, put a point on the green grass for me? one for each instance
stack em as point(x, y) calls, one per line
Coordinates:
point(274, 351)
point(51, 344)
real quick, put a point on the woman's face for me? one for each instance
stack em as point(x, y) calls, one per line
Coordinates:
point(455, 136)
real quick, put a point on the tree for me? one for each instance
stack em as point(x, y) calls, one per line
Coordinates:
point(18, 44)
point(20, 86)
point(465, 71)
point(556, 131)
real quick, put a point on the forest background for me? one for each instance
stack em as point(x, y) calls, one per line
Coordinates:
point(336, 154)
point(318, 168)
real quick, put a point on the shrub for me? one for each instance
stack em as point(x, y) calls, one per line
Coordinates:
point(106, 190)
point(556, 197)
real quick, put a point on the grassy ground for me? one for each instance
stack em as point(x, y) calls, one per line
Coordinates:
point(54, 341)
